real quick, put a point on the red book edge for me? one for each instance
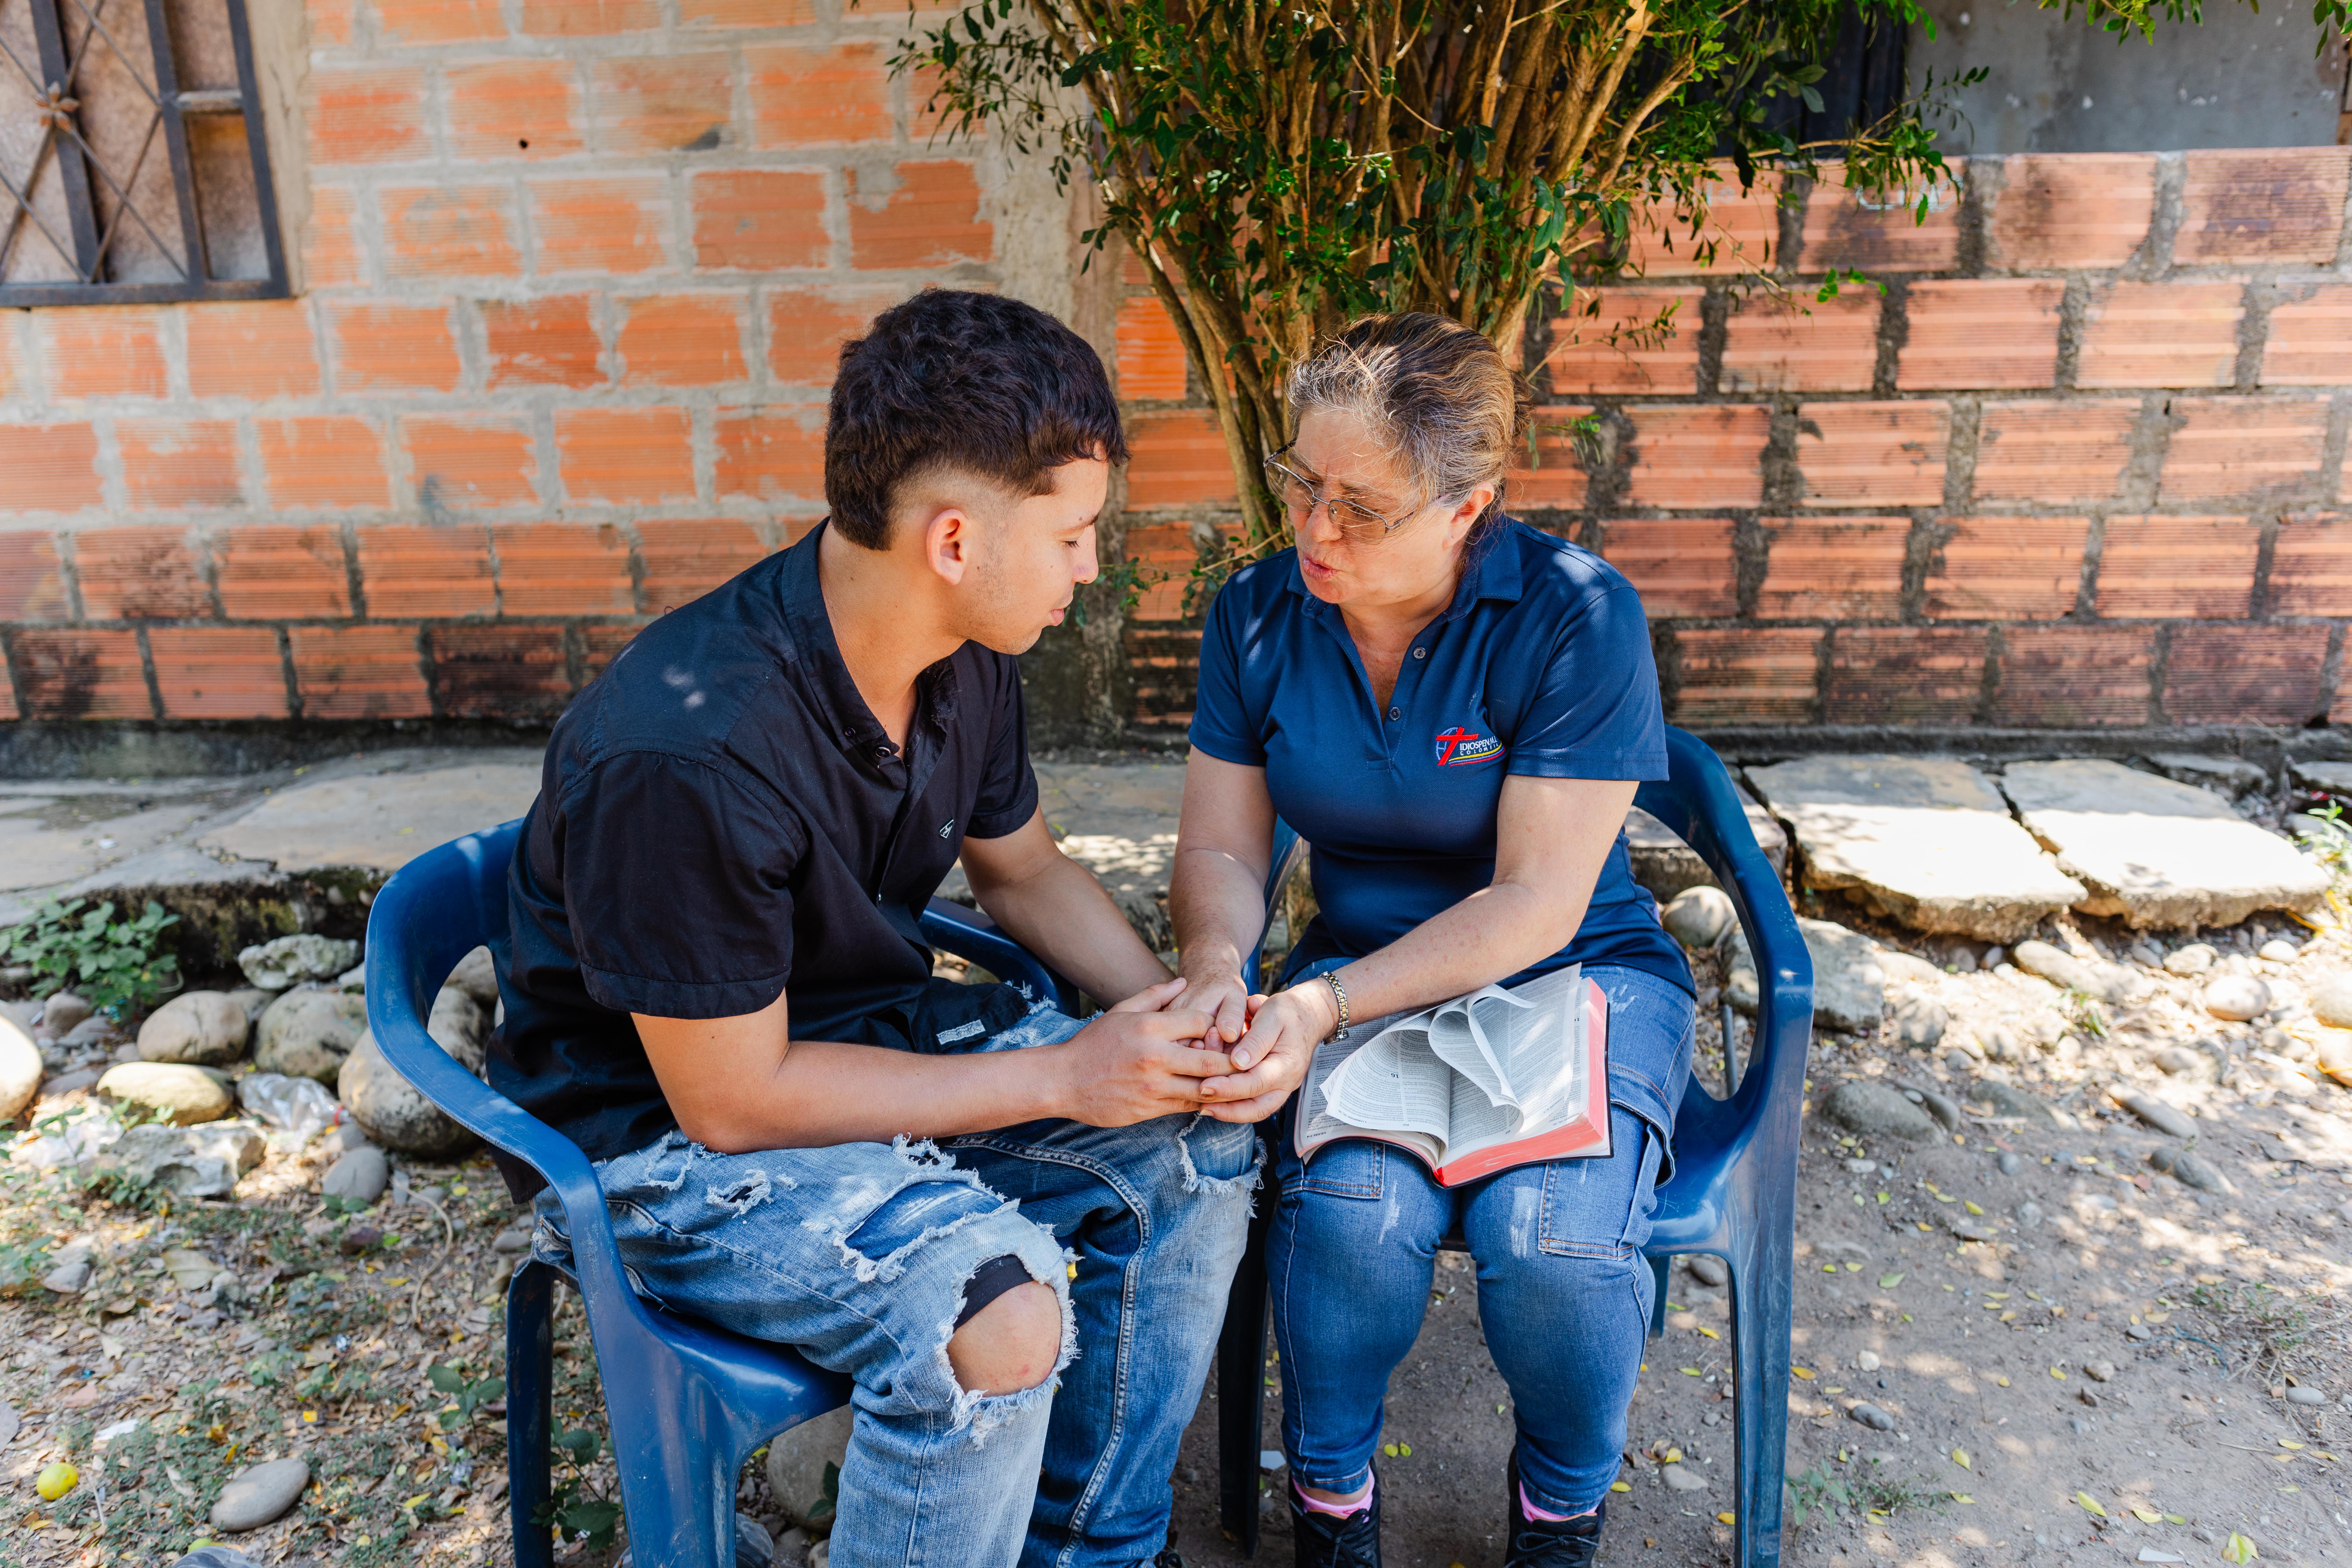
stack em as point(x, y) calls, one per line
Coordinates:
point(1586, 1137)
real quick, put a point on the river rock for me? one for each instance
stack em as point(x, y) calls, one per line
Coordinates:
point(1679, 1477)
point(1708, 1269)
point(362, 1174)
point(2300, 1394)
point(1872, 1417)
point(1870, 1109)
point(2008, 1101)
point(1698, 917)
point(2182, 1062)
point(389, 1107)
point(797, 1459)
point(260, 1493)
point(1925, 840)
point(478, 976)
point(1941, 1107)
point(1920, 1023)
point(306, 1033)
point(2155, 851)
point(2332, 1001)
point(186, 1094)
point(2191, 960)
point(2189, 1169)
point(202, 1028)
point(63, 1011)
point(201, 1162)
point(2063, 969)
point(20, 1070)
point(2333, 1052)
point(2167, 1120)
point(291, 960)
point(71, 1272)
point(2236, 997)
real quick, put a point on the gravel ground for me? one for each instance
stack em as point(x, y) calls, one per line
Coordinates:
point(2102, 1380)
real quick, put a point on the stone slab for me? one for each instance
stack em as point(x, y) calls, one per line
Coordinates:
point(2156, 852)
point(1666, 865)
point(1925, 840)
point(378, 822)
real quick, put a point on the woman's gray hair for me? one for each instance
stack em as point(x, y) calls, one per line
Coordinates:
point(1437, 395)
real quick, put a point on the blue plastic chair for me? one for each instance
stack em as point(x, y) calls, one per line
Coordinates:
point(1734, 1191)
point(689, 1400)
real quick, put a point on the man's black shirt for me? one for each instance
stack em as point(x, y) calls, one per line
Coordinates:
point(720, 817)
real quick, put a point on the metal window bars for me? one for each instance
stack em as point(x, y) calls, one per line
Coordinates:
point(94, 212)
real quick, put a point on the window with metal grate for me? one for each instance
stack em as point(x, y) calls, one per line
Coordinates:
point(132, 161)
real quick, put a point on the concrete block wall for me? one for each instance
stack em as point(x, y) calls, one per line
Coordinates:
point(2080, 466)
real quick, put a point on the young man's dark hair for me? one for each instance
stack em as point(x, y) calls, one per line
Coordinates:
point(953, 380)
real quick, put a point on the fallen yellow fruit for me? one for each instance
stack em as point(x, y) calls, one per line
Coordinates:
point(1726, 1518)
point(1621, 1486)
point(56, 1480)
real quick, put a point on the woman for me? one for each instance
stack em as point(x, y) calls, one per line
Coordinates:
point(1454, 709)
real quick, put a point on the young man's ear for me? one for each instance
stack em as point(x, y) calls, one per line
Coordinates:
point(950, 542)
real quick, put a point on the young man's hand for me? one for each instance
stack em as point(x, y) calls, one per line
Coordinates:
point(1139, 1060)
point(1271, 1059)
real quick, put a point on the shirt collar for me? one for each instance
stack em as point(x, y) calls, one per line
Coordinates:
point(854, 727)
point(1491, 571)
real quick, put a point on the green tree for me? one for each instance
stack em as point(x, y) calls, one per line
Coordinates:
point(1280, 166)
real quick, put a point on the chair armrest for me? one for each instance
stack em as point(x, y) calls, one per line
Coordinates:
point(972, 936)
point(434, 911)
point(1701, 805)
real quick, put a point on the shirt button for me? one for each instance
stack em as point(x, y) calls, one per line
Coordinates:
point(1421, 653)
point(1396, 713)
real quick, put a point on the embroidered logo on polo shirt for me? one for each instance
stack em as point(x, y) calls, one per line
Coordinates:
point(1460, 748)
point(947, 828)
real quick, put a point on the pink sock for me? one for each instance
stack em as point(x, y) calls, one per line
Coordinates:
point(1335, 1510)
point(1527, 1505)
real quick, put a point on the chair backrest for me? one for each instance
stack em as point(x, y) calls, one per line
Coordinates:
point(434, 911)
point(1699, 803)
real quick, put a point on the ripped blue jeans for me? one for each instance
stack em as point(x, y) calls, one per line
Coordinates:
point(856, 1255)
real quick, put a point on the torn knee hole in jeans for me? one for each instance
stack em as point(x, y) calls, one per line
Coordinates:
point(984, 1413)
point(1220, 1142)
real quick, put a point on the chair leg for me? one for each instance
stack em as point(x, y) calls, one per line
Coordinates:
point(1241, 1388)
point(1658, 1268)
point(1762, 1308)
point(530, 1381)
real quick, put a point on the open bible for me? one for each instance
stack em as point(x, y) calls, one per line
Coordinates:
point(1473, 1085)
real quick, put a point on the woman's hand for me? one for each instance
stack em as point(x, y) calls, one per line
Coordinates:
point(1214, 987)
point(1284, 1030)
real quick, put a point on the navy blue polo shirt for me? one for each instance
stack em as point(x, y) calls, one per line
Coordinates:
point(722, 819)
point(1541, 665)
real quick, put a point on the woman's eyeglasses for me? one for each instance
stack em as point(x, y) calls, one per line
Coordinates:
point(1360, 524)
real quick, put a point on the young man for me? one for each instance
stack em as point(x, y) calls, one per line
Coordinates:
point(1013, 1231)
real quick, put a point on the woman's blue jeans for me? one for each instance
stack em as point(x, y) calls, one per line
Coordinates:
point(1562, 1288)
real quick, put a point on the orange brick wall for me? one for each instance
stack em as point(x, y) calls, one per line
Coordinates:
point(2082, 464)
point(575, 274)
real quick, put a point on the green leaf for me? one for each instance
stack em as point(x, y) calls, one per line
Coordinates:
point(447, 1379)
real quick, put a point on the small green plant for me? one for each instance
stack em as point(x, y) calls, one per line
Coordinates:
point(1129, 578)
point(119, 966)
point(2327, 836)
point(1885, 1495)
point(2084, 1012)
point(470, 1395)
point(1812, 1491)
point(574, 1507)
point(828, 1502)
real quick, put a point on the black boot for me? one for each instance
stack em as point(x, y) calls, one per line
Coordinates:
point(1550, 1542)
point(1325, 1541)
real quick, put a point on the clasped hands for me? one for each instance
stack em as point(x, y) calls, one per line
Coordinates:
point(1243, 1053)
